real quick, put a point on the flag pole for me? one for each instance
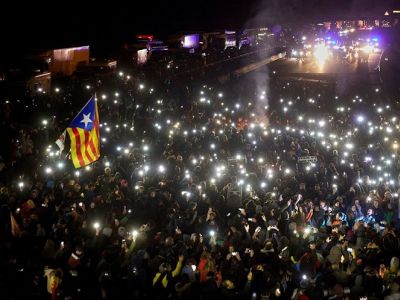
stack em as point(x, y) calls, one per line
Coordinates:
point(68, 153)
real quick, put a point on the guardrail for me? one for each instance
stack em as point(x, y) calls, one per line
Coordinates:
point(251, 67)
point(259, 52)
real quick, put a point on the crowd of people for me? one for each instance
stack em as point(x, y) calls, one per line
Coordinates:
point(259, 189)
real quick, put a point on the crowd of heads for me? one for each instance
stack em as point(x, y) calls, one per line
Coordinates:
point(203, 191)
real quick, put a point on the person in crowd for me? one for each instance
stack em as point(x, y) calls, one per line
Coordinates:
point(202, 195)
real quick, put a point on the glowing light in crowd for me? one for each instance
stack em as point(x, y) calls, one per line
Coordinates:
point(321, 54)
point(161, 169)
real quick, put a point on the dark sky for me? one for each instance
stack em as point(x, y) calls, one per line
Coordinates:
point(68, 22)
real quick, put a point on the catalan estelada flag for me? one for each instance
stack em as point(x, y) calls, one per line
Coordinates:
point(84, 134)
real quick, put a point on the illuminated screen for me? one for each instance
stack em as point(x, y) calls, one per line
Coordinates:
point(191, 41)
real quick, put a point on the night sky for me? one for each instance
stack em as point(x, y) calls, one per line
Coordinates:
point(63, 23)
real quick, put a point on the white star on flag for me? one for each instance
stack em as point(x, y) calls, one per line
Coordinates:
point(86, 119)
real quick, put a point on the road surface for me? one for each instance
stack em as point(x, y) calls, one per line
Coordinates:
point(292, 66)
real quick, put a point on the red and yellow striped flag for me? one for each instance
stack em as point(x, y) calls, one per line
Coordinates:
point(84, 134)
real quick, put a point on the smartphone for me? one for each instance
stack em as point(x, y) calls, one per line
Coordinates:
point(62, 244)
point(234, 253)
point(350, 249)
